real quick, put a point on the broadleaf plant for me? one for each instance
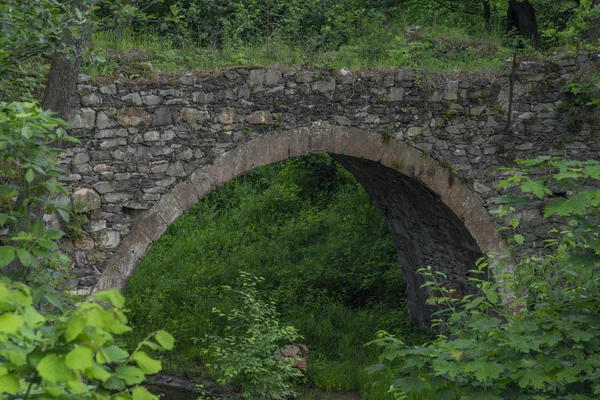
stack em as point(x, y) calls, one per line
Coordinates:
point(538, 340)
point(73, 355)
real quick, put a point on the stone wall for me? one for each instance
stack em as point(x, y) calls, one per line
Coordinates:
point(425, 146)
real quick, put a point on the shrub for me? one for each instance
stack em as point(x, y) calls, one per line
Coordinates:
point(542, 343)
point(73, 355)
point(246, 352)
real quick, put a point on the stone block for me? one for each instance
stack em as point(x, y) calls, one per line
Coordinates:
point(168, 209)
point(162, 117)
point(227, 116)
point(185, 194)
point(134, 116)
point(260, 118)
point(152, 100)
point(104, 121)
point(194, 116)
point(272, 77)
point(304, 77)
point(133, 99)
point(256, 77)
point(203, 98)
point(91, 100)
point(85, 200)
point(325, 85)
point(81, 118)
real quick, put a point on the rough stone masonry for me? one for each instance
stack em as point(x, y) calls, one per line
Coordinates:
point(427, 148)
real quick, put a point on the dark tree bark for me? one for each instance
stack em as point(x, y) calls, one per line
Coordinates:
point(487, 14)
point(60, 86)
point(522, 16)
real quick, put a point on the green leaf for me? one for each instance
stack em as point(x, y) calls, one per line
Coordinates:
point(141, 393)
point(54, 369)
point(485, 371)
point(411, 384)
point(9, 384)
point(111, 354)
point(29, 175)
point(75, 327)
point(147, 364)
point(7, 255)
point(25, 257)
point(10, 323)
point(78, 387)
point(114, 384)
point(48, 244)
point(98, 372)
point(537, 188)
point(54, 300)
point(131, 375)
point(519, 239)
point(33, 318)
point(111, 296)
point(53, 235)
point(165, 340)
point(80, 358)
point(445, 393)
point(533, 377)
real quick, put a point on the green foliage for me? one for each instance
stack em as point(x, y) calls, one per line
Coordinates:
point(73, 355)
point(246, 353)
point(311, 231)
point(586, 92)
point(532, 334)
point(46, 29)
point(30, 252)
point(565, 23)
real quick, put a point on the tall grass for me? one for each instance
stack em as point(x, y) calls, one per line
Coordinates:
point(312, 232)
point(437, 45)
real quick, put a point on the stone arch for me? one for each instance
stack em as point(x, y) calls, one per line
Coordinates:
point(433, 218)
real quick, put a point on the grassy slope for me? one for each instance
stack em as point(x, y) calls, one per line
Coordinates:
point(432, 48)
point(327, 259)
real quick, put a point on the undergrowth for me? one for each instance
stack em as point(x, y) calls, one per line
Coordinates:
point(433, 48)
point(329, 265)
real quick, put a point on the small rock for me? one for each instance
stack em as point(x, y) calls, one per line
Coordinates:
point(304, 77)
point(226, 116)
point(91, 100)
point(82, 118)
point(152, 100)
point(82, 78)
point(295, 351)
point(134, 116)
point(85, 200)
point(326, 85)
point(104, 121)
point(133, 99)
point(260, 118)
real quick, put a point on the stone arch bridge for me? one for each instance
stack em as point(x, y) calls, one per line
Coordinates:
point(426, 147)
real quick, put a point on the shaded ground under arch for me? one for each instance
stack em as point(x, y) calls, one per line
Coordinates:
point(432, 217)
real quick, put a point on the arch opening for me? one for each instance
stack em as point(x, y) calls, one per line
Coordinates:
point(432, 217)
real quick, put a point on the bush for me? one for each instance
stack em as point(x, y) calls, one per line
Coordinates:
point(246, 352)
point(73, 355)
point(541, 343)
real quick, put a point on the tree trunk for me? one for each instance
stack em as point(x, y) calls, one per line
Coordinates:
point(487, 15)
point(60, 86)
point(522, 16)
